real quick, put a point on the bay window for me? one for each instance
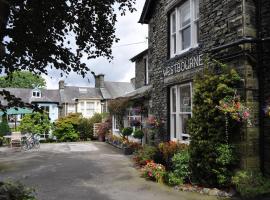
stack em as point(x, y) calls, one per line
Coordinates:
point(180, 111)
point(184, 27)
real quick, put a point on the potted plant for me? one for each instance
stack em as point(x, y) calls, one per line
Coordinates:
point(103, 129)
point(138, 134)
point(127, 132)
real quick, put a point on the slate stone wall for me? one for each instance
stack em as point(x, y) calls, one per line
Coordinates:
point(140, 73)
point(221, 22)
point(266, 81)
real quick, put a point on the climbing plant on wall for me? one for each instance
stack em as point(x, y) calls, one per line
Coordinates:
point(212, 157)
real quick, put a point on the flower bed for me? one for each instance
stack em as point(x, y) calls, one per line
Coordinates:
point(169, 163)
point(128, 147)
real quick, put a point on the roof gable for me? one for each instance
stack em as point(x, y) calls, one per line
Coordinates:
point(147, 11)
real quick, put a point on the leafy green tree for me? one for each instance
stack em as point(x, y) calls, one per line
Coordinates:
point(44, 34)
point(66, 128)
point(208, 146)
point(35, 123)
point(4, 127)
point(22, 79)
point(86, 126)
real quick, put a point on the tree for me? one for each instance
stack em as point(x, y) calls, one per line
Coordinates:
point(22, 79)
point(35, 123)
point(39, 34)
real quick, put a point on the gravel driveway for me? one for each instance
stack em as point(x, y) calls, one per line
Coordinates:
point(83, 171)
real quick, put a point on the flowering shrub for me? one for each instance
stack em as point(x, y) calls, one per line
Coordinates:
point(169, 149)
point(235, 108)
point(104, 127)
point(143, 155)
point(153, 171)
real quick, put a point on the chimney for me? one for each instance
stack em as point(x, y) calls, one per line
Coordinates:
point(61, 85)
point(132, 81)
point(99, 81)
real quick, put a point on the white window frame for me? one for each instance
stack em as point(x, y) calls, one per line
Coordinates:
point(146, 66)
point(91, 110)
point(114, 124)
point(71, 108)
point(177, 34)
point(178, 135)
point(36, 93)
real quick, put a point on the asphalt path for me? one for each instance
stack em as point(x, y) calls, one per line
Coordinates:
point(83, 171)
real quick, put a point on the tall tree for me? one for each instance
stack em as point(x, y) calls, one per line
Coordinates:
point(38, 33)
point(22, 79)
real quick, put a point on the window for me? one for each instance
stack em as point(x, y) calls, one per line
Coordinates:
point(81, 107)
point(184, 27)
point(180, 111)
point(46, 109)
point(90, 108)
point(36, 93)
point(115, 123)
point(71, 108)
point(134, 117)
point(146, 69)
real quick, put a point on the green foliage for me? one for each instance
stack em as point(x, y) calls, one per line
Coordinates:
point(4, 127)
point(138, 133)
point(65, 128)
point(127, 131)
point(207, 126)
point(36, 123)
point(15, 191)
point(85, 126)
point(226, 157)
point(145, 154)
point(180, 170)
point(118, 108)
point(167, 150)
point(38, 40)
point(22, 79)
point(251, 184)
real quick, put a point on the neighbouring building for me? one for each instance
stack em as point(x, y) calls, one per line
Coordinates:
point(72, 99)
point(182, 33)
point(90, 100)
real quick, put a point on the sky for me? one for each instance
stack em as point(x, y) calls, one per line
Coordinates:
point(129, 31)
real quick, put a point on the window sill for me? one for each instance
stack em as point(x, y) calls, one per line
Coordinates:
point(185, 52)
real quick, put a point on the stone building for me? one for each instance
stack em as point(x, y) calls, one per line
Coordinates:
point(182, 33)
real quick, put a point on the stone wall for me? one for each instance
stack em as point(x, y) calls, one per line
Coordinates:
point(157, 56)
point(221, 22)
point(266, 81)
point(140, 72)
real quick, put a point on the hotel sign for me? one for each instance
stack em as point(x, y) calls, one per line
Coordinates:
point(183, 65)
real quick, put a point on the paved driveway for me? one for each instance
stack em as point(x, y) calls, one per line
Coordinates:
point(83, 171)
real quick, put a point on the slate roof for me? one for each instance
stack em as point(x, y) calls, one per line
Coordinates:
point(71, 93)
point(139, 55)
point(140, 92)
point(26, 95)
point(116, 89)
point(147, 11)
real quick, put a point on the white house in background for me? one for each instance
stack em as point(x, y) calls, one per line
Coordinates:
point(49, 100)
point(90, 100)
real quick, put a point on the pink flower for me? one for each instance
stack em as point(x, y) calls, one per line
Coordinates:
point(150, 174)
point(246, 114)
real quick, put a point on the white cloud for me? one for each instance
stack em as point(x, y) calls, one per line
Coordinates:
point(120, 69)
